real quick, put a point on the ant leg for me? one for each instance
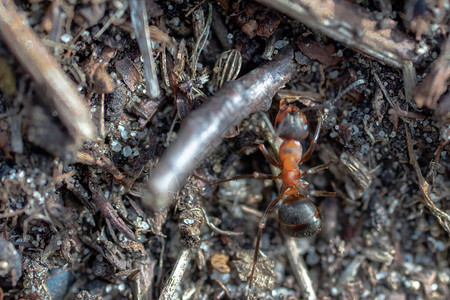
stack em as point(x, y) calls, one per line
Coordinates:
point(318, 168)
point(269, 156)
point(323, 193)
point(256, 175)
point(261, 226)
point(310, 150)
point(268, 123)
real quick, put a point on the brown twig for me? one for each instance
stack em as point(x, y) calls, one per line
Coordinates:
point(106, 164)
point(442, 217)
point(201, 132)
point(350, 24)
point(59, 91)
point(110, 213)
point(300, 269)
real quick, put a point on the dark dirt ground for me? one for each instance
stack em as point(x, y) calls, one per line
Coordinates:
point(72, 224)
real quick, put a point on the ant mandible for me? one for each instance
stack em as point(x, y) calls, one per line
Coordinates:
point(298, 216)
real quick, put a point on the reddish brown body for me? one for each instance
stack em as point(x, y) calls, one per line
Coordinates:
point(297, 215)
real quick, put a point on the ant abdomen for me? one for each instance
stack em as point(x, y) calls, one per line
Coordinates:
point(299, 217)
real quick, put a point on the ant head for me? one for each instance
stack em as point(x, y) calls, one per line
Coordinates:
point(291, 123)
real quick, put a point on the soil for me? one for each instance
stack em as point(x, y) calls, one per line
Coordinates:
point(73, 224)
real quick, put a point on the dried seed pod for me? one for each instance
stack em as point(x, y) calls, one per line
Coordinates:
point(227, 68)
point(191, 220)
point(360, 174)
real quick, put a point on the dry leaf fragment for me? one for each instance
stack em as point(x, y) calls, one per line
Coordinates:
point(129, 72)
point(95, 69)
point(326, 54)
point(219, 262)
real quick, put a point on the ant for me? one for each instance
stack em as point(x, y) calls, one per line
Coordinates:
point(298, 216)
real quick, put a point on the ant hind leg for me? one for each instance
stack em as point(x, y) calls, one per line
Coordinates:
point(261, 226)
point(256, 175)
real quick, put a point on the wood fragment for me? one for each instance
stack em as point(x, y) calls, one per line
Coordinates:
point(59, 92)
point(104, 163)
point(350, 24)
point(177, 274)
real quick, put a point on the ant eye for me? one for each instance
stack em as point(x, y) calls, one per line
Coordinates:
point(305, 127)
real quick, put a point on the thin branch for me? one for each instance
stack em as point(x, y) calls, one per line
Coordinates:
point(202, 131)
point(177, 274)
point(300, 269)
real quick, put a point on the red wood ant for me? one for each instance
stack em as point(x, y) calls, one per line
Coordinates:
point(298, 216)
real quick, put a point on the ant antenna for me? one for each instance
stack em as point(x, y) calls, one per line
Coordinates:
point(348, 89)
point(339, 96)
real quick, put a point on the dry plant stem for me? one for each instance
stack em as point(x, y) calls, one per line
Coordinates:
point(58, 90)
point(351, 25)
point(103, 163)
point(202, 131)
point(176, 275)
point(300, 270)
point(214, 228)
point(442, 217)
point(140, 25)
point(105, 207)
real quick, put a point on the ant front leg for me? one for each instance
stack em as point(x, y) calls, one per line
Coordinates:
point(310, 150)
point(270, 158)
point(258, 175)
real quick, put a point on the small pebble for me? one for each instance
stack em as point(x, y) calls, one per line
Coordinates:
point(116, 146)
point(127, 151)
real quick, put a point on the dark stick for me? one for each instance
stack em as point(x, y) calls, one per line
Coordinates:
point(202, 131)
